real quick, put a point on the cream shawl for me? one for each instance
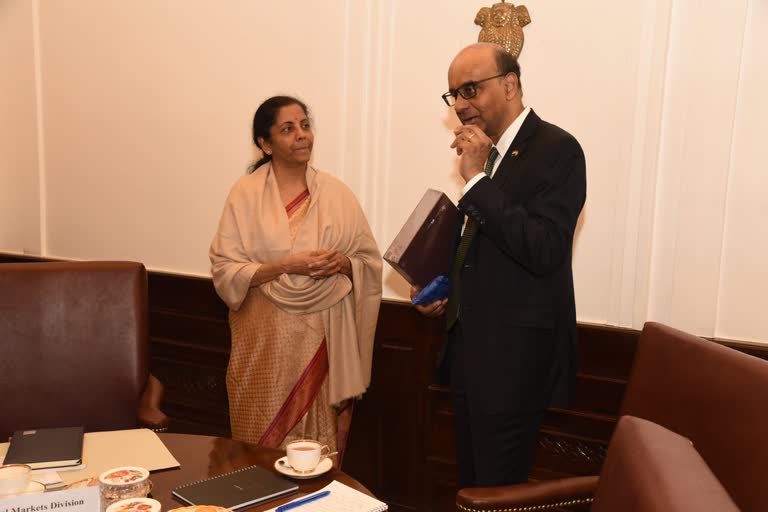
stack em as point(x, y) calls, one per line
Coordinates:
point(254, 230)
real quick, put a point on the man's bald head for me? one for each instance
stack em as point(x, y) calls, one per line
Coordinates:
point(495, 74)
point(505, 61)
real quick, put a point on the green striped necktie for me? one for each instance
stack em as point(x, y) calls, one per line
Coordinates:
point(452, 309)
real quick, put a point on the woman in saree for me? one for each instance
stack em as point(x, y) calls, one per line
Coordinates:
point(297, 264)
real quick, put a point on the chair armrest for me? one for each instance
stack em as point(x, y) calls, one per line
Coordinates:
point(543, 495)
point(149, 413)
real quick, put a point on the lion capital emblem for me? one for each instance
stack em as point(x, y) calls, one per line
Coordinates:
point(503, 24)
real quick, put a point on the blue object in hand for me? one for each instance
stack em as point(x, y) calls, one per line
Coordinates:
point(436, 290)
point(302, 501)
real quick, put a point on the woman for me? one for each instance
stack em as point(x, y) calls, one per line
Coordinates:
point(297, 264)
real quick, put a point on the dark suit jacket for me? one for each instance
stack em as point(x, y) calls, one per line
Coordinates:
point(516, 308)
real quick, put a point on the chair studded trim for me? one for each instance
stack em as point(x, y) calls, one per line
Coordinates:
point(548, 506)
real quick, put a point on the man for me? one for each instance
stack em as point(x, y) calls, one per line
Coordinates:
point(511, 318)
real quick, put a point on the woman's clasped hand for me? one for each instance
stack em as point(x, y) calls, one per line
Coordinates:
point(319, 264)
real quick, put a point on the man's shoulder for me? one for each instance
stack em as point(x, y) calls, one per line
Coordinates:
point(554, 132)
point(549, 135)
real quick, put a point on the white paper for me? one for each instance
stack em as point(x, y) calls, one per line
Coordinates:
point(46, 477)
point(342, 499)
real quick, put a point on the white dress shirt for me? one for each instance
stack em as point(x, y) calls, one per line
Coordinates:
point(502, 146)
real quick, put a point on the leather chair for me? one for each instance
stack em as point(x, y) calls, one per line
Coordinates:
point(713, 395)
point(648, 468)
point(74, 347)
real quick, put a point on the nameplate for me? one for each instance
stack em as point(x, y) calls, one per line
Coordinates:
point(86, 499)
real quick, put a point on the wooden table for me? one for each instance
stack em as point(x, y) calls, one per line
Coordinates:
point(205, 456)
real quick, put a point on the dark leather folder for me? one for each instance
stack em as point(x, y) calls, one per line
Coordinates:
point(422, 249)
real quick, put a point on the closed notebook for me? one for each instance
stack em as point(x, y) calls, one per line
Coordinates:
point(46, 448)
point(422, 249)
point(237, 489)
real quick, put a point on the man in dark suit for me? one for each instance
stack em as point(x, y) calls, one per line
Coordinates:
point(511, 316)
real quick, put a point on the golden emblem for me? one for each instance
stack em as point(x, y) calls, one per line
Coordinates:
point(503, 24)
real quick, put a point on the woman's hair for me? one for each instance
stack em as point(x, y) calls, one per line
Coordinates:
point(264, 119)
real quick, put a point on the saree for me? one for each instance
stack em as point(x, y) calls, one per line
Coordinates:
point(301, 348)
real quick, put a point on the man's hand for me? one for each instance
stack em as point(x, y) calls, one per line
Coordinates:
point(434, 309)
point(472, 145)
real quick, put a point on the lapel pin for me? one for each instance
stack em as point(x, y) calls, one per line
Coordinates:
point(515, 153)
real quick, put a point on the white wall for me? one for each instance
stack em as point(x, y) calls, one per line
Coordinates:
point(145, 110)
point(20, 229)
point(741, 307)
point(148, 107)
point(709, 267)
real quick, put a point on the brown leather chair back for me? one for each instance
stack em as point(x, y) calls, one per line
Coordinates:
point(715, 396)
point(73, 344)
point(650, 468)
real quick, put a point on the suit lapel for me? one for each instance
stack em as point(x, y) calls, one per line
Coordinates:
point(517, 148)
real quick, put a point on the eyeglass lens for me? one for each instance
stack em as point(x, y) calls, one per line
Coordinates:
point(467, 91)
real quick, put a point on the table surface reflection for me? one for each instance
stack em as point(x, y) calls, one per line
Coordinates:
point(201, 457)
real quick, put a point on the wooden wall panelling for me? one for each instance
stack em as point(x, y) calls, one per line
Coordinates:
point(386, 447)
point(439, 441)
point(573, 441)
point(190, 345)
point(401, 441)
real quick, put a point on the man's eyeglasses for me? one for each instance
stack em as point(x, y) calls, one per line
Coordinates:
point(466, 90)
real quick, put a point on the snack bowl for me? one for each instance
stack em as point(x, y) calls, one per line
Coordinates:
point(123, 483)
point(135, 505)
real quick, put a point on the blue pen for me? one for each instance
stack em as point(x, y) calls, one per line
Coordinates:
point(302, 501)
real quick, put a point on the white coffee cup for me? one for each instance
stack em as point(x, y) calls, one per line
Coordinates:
point(304, 455)
point(14, 478)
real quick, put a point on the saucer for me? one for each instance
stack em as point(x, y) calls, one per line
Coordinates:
point(31, 488)
point(325, 466)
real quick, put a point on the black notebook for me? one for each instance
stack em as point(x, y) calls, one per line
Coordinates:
point(237, 489)
point(45, 448)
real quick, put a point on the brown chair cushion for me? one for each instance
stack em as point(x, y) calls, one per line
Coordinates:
point(73, 338)
point(650, 468)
